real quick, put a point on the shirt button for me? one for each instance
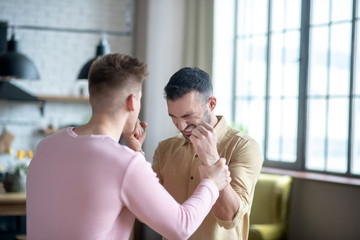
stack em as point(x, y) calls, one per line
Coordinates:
point(191, 177)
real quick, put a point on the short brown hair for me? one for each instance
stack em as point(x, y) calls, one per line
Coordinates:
point(189, 79)
point(116, 71)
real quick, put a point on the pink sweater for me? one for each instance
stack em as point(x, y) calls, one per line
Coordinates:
point(91, 187)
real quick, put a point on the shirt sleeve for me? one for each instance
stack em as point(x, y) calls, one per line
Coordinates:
point(245, 165)
point(152, 204)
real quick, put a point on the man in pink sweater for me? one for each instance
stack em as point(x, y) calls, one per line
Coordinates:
point(82, 184)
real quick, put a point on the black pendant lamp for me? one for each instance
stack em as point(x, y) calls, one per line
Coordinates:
point(13, 64)
point(101, 49)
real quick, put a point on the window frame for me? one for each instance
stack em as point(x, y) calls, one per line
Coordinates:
point(302, 127)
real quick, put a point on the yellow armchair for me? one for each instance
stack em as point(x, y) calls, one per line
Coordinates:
point(268, 218)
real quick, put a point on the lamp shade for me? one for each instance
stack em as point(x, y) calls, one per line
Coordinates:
point(101, 49)
point(84, 72)
point(11, 92)
point(16, 65)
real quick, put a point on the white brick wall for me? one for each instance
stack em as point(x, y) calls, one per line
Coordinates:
point(59, 57)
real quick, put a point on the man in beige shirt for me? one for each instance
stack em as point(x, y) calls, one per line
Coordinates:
point(207, 136)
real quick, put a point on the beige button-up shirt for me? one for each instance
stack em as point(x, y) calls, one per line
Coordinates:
point(176, 165)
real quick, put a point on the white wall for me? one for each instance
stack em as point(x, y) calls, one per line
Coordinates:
point(158, 40)
point(162, 27)
point(224, 24)
point(59, 57)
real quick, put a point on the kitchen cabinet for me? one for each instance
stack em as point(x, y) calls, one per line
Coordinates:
point(12, 214)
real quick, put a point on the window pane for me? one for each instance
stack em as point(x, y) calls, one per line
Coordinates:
point(320, 10)
point(243, 77)
point(356, 109)
point(274, 133)
point(290, 122)
point(356, 144)
point(341, 10)
point(291, 67)
point(259, 16)
point(315, 159)
point(285, 14)
point(250, 116)
point(251, 67)
point(282, 130)
point(357, 69)
point(318, 61)
point(278, 15)
point(338, 135)
point(276, 65)
point(326, 81)
point(252, 17)
point(340, 59)
point(293, 13)
point(244, 13)
point(284, 65)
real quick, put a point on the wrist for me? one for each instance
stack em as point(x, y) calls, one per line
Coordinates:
point(210, 162)
point(140, 151)
point(214, 161)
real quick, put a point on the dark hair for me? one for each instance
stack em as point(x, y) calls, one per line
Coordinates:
point(186, 80)
point(114, 71)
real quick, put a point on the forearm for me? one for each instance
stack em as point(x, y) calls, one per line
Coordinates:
point(227, 204)
point(179, 221)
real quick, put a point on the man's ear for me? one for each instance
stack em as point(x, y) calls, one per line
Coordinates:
point(130, 102)
point(212, 103)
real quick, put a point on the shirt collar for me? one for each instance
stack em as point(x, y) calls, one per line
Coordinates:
point(221, 127)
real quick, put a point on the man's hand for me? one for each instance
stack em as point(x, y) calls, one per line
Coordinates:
point(204, 140)
point(135, 139)
point(218, 173)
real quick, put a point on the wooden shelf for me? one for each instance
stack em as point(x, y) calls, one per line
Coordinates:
point(12, 204)
point(63, 98)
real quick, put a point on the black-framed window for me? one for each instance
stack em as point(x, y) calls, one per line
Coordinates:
point(296, 82)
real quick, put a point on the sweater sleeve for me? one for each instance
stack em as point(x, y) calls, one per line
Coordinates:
point(151, 203)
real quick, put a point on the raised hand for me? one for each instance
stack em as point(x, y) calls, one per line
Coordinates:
point(204, 140)
point(218, 173)
point(135, 139)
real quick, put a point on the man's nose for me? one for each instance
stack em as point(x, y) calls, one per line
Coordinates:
point(181, 124)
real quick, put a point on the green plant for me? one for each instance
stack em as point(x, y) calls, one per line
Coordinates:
point(19, 164)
